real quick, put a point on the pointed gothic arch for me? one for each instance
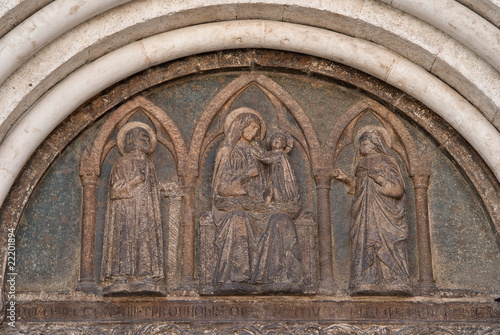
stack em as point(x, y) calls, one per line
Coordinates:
point(341, 134)
point(417, 166)
point(90, 170)
point(207, 131)
point(282, 103)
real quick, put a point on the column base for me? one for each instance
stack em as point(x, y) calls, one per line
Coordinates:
point(88, 286)
point(187, 286)
point(147, 288)
point(426, 288)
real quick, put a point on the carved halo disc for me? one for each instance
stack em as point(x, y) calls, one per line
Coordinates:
point(131, 125)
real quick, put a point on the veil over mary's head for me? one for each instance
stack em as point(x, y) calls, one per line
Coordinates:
point(234, 124)
point(238, 119)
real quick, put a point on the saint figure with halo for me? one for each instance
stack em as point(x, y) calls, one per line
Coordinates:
point(132, 261)
point(379, 229)
point(257, 243)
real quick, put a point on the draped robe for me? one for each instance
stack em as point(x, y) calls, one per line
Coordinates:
point(379, 229)
point(282, 177)
point(257, 243)
point(133, 244)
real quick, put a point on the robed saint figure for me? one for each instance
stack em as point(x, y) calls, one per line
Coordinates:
point(379, 227)
point(132, 261)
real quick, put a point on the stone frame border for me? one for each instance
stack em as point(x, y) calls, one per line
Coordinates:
point(452, 143)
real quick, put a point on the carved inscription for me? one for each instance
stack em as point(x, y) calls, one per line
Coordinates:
point(319, 311)
point(255, 213)
point(261, 329)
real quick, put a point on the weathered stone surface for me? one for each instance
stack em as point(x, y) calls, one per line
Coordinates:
point(264, 310)
point(194, 109)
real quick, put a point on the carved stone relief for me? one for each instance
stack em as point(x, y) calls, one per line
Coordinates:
point(253, 204)
point(254, 207)
point(259, 329)
point(258, 236)
point(384, 153)
point(134, 261)
point(379, 228)
point(133, 243)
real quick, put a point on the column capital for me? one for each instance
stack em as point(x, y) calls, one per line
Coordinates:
point(421, 179)
point(89, 177)
point(323, 178)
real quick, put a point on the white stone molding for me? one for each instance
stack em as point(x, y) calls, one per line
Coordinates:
point(402, 33)
point(13, 12)
point(489, 9)
point(43, 27)
point(440, 52)
point(377, 61)
point(458, 21)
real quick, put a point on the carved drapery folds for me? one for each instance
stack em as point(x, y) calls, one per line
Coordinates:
point(259, 235)
point(254, 209)
point(267, 217)
point(379, 218)
point(258, 238)
point(133, 260)
point(379, 227)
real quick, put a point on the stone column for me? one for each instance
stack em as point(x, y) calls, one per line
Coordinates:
point(323, 181)
point(173, 192)
point(426, 277)
point(188, 231)
point(87, 281)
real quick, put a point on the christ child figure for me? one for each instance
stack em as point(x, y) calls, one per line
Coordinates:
point(284, 190)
